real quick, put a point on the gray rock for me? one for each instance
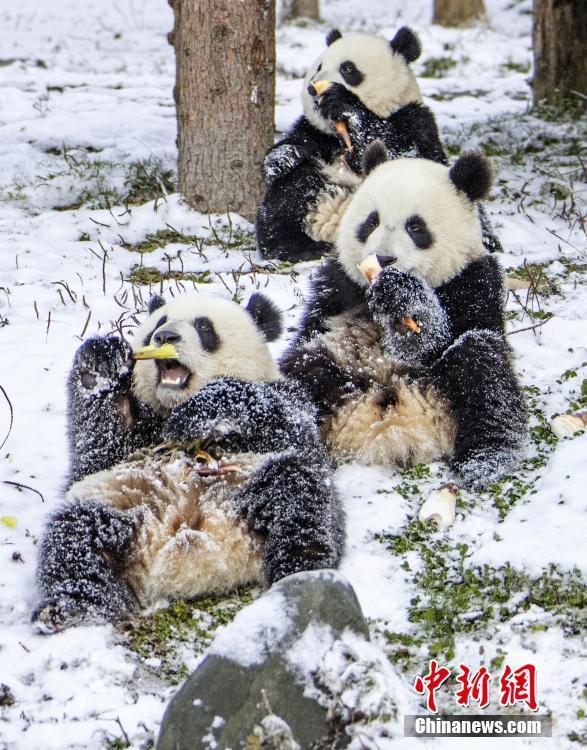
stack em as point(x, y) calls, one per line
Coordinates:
point(259, 666)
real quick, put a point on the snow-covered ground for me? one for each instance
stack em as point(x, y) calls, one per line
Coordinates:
point(87, 121)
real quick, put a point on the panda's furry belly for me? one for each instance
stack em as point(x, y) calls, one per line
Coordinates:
point(189, 539)
point(398, 420)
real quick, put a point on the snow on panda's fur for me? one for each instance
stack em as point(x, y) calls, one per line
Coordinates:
point(143, 522)
point(311, 175)
point(389, 395)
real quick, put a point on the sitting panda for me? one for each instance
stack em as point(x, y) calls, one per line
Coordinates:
point(242, 491)
point(413, 366)
point(364, 82)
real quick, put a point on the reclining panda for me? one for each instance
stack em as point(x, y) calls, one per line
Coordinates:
point(360, 89)
point(242, 493)
point(414, 366)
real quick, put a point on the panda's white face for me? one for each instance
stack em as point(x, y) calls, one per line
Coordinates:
point(409, 214)
point(213, 337)
point(366, 65)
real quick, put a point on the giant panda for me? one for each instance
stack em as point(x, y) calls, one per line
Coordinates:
point(188, 475)
point(413, 367)
point(311, 173)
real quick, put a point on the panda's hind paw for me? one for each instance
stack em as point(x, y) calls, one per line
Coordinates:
point(484, 467)
point(55, 615)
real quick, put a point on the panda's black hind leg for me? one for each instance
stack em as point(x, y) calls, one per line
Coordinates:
point(477, 377)
point(293, 504)
point(80, 567)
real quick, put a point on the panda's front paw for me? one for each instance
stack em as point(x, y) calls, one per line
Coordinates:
point(102, 361)
point(338, 104)
point(415, 324)
point(281, 160)
point(216, 413)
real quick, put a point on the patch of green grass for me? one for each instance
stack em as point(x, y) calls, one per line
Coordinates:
point(191, 624)
point(437, 67)
point(161, 239)
point(148, 180)
point(403, 649)
point(147, 275)
point(453, 598)
point(410, 484)
point(100, 183)
point(535, 274)
point(516, 67)
point(228, 237)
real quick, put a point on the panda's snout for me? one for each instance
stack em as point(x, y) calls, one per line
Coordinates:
point(386, 260)
point(166, 336)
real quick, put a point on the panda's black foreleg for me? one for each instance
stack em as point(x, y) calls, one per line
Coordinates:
point(80, 566)
point(105, 421)
point(292, 502)
point(241, 416)
point(476, 376)
point(280, 225)
point(324, 380)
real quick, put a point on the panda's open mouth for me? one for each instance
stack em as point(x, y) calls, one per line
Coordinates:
point(172, 374)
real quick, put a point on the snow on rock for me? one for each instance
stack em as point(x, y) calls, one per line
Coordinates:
point(255, 631)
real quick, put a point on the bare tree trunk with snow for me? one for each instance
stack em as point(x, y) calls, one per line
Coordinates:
point(457, 12)
point(560, 49)
point(225, 97)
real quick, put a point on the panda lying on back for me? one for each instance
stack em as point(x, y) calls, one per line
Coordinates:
point(144, 522)
point(414, 366)
point(364, 82)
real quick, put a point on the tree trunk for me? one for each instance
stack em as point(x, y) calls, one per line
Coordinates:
point(225, 97)
point(560, 49)
point(457, 12)
point(305, 9)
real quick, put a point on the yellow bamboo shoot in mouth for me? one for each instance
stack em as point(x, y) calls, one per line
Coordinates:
point(343, 132)
point(167, 351)
point(321, 86)
point(370, 268)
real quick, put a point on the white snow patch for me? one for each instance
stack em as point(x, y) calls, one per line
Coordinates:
point(255, 631)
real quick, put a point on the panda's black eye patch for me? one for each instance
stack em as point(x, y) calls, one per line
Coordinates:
point(368, 226)
point(418, 230)
point(208, 336)
point(350, 73)
point(160, 322)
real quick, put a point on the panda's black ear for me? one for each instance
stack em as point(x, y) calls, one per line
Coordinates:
point(375, 154)
point(332, 36)
point(407, 44)
point(471, 175)
point(266, 316)
point(155, 303)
